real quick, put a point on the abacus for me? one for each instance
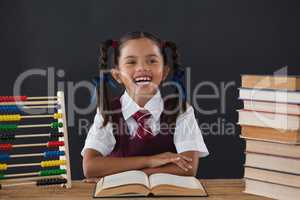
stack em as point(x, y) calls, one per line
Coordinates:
point(53, 165)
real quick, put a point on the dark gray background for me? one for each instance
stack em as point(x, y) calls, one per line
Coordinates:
point(219, 39)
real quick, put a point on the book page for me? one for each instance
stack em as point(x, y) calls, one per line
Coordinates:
point(170, 179)
point(125, 178)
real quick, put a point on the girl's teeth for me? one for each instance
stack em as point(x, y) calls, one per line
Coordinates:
point(143, 83)
point(143, 79)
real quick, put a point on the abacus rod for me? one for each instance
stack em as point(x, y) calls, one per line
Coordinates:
point(27, 179)
point(17, 184)
point(20, 175)
point(29, 103)
point(34, 125)
point(36, 106)
point(23, 174)
point(26, 155)
point(33, 135)
point(29, 145)
point(31, 107)
point(36, 116)
point(23, 165)
point(44, 97)
point(33, 164)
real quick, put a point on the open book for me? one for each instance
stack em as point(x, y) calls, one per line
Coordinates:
point(137, 183)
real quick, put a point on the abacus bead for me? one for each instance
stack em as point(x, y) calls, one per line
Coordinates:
point(3, 166)
point(4, 157)
point(55, 143)
point(57, 115)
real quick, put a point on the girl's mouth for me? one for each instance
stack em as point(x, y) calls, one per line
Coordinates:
point(142, 80)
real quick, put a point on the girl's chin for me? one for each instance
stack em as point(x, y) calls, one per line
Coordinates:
point(145, 89)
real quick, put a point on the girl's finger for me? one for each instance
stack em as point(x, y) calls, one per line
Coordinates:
point(164, 161)
point(91, 180)
point(174, 159)
point(186, 164)
point(181, 165)
point(186, 158)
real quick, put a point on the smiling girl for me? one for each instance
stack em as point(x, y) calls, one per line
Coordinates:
point(140, 130)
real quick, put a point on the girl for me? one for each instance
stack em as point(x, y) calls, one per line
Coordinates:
point(140, 130)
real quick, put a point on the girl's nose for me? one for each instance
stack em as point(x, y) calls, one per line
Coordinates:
point(143, 66)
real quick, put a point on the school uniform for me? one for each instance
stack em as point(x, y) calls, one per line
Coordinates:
point(119, 137)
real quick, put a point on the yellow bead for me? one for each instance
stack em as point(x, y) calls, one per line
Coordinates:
point(16, 117)
point(3, 166)
point(61, 162)
point(52, 163)
point(57, 115)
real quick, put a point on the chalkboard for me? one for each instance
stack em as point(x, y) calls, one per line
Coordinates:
point(54, 44)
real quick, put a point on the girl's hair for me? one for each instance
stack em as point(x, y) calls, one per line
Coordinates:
point(103, 100)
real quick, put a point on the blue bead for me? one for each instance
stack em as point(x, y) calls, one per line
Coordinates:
point(51, 154)
point(4, 157)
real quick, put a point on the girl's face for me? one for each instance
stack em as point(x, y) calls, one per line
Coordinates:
point(141, 67)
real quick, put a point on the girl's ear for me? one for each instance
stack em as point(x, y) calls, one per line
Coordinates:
point(166, 71)
point(116, 75)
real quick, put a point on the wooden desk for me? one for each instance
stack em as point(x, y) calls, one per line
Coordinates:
point(218, 189)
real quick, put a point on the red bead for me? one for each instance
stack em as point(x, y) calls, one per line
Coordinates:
point(12, 98)
point(5, 147)
point(55, 143)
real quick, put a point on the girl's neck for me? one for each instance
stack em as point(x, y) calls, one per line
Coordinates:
point(142, 99)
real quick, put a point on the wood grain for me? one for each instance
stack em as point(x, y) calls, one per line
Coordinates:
point(218, 189)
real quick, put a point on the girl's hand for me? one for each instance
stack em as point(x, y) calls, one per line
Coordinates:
point(91, 180)
point(168, 157)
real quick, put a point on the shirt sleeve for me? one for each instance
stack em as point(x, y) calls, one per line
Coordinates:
point(187, 135)
point(100, 138)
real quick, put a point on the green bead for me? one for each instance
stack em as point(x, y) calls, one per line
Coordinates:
point(52, 172)
point(56, 125)
point(8, 127)
point(53, 125)
point(1, 176)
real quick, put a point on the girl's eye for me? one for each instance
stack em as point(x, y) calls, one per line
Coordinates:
point(130, 62)
point(153, 61)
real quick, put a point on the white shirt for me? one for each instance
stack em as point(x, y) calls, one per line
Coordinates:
point(187, 134)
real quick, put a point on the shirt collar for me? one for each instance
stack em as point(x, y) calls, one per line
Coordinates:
point(155, 105)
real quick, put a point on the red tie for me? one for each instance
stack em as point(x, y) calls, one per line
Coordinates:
point(143, 131)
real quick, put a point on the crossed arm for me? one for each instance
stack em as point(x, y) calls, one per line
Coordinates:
point(184, 164)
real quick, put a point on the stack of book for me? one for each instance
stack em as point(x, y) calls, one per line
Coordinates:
point(270, 124)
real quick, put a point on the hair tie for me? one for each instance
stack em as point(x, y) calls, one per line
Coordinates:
point(114, 44)
point(163, 44)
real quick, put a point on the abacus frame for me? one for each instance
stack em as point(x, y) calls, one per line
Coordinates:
point(60, 101)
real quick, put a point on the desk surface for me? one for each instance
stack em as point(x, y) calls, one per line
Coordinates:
point(218, 189)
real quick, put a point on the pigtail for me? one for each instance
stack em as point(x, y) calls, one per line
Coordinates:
point(103, 96)
point(178, 76)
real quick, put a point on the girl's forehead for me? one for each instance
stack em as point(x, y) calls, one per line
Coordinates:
point(139, 47)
